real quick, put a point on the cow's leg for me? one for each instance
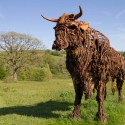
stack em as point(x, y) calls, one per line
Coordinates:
point(113, 86)
point(119, 87)
point(78, 91)
point(100, 99)
point(105, 93)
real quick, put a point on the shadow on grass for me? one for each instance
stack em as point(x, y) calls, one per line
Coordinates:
point(43, 109)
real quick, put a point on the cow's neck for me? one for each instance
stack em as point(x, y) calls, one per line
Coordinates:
point(78, 58)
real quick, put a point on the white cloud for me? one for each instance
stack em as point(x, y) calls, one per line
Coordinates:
point(117, 24)
point(106, 13)
point(121, 29)
point(120, 14)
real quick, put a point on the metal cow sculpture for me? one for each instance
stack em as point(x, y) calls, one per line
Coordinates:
point(90, 60)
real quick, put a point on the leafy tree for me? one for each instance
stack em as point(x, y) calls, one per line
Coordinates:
point(19, 48)
point(37, 60)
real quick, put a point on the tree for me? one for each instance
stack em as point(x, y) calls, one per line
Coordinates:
point(19, 48)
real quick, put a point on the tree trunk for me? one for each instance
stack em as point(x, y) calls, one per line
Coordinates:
point(15, 76)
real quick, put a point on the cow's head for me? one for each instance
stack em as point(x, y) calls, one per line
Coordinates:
point(66, 30)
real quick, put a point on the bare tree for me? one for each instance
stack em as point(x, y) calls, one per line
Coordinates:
point(19, 49)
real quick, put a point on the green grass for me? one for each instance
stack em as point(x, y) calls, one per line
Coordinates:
point(50, 102)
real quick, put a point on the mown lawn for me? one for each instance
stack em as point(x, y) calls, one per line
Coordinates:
point(50, 102)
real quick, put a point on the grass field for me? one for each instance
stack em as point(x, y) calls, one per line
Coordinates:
point(50, 102)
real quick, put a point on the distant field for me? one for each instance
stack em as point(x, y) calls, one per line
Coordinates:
point(50, 102)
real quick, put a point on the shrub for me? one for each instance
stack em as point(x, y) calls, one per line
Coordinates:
point(2, 73)
point(48, 74)
point(32, 74)
point(56, 53)
point(9, 79)
point(39, 75)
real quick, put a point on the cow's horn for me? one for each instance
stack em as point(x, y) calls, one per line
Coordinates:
point(50, 19)
point(79, 14)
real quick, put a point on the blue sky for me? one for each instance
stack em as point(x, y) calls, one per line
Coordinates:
point(24, 16)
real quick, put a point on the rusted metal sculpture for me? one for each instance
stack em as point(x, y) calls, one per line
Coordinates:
point(90, 60)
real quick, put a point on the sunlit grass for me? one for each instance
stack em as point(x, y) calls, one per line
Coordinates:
point(50, 102)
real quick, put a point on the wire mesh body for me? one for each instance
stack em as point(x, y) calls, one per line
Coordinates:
point(90, 60)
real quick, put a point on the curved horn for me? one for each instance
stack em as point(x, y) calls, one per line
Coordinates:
point(79, 14)
point(50, 19)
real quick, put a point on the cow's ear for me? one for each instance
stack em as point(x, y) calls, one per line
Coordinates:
point(84, 26)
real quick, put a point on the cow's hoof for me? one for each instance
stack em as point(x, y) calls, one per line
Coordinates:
point(76, 112)
point(74, 115)
point(102, 118)
point(120, 100)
